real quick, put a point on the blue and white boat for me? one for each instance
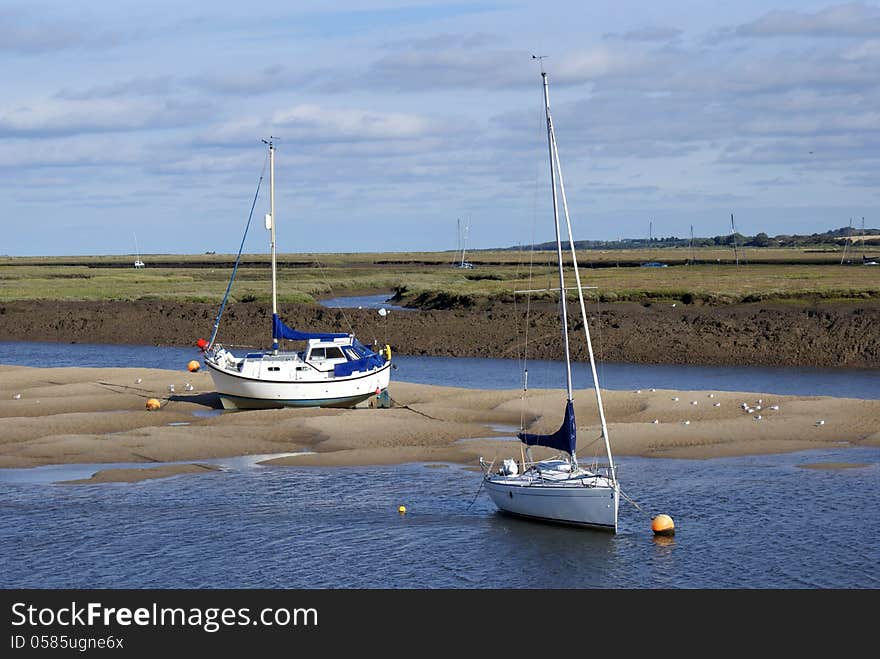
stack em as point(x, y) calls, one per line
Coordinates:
point(332, 370)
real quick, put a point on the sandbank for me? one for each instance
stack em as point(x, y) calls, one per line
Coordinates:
point(98, 415)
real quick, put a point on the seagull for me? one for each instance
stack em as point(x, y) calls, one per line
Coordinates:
point(638, 391)
point(139, 380)
point(711, 395)
point(774, 407)
point(188, 386)
point(171, 388)
point(653, 390)
point(717, 404)
point(656, 421)
point(687, 423)
point(820, 422)
point(758, 418)
point(675, 398)
point(693, 402)
point(16, 396)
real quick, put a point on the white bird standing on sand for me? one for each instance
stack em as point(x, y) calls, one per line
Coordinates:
point(171, 388)
point(16, 396)
point(188, 386)
point(774, 407)
point(656, 421)
point(717, 404)
point(820, 422)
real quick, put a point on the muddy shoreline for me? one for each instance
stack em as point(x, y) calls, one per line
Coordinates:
point(844, 334)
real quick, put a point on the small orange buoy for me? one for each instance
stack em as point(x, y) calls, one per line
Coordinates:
point(663, 525)
point(153, 404)
point(193, 366)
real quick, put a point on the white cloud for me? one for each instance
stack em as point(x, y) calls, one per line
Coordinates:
point(43, 118)
point(851, 19)
point(323, 124)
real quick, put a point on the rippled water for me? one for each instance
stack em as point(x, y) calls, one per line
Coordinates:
point(757, 522)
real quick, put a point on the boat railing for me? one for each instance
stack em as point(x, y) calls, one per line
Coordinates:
point(599, 469)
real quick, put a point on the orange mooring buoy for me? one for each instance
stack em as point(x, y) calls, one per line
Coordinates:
point(153, 404)
point(193, 366)
point(663, 525)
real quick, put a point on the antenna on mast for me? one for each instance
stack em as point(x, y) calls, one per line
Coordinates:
point(540, 59)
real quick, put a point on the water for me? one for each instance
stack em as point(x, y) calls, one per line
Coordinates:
point(755, 522)
point(479, 373)
point(363, 302)
point(750, 522)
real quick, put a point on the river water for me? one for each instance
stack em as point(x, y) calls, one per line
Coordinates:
point(750, 522)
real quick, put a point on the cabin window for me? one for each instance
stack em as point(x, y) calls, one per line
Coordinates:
point(331, 352)
point(274, 368)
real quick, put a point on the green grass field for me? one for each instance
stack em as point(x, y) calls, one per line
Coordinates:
point(429, 280)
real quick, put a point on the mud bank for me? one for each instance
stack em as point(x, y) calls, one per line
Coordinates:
point(845, 334)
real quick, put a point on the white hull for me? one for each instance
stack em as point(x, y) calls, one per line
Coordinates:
point(575, 504)
point(240, 392)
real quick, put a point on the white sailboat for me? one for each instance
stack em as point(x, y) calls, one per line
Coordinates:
point(332, 370)
point(463, 263)
point(137, 259)
point(559, 489)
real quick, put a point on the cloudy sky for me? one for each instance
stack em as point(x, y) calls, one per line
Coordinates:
point(396, 119)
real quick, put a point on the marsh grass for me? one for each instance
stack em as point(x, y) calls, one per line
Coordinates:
point(429, 280)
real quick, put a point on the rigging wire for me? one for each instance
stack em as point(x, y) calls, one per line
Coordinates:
point(238, 258)
point(326, 281)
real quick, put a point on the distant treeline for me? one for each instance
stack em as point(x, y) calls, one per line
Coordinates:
point(835, 237)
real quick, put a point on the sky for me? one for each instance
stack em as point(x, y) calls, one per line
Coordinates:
point(137, 126)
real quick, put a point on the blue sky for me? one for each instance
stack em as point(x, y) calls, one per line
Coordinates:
point(397, 119)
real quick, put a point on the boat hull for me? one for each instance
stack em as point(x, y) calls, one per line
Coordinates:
point(576, 505)
point(243, 393)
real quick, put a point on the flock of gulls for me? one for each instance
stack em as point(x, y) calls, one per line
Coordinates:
point(748, 408)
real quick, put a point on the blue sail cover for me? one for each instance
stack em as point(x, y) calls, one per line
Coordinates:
point(282, 331)
point(564, 439)
point(367, 360)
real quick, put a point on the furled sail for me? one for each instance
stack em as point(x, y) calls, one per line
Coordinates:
point(282, 331)
point(564, 439)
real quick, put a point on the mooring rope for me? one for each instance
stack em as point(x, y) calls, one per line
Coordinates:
point(632, 501)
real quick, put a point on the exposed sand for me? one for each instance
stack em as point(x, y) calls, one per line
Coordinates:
point(98, 415)
point(136, 475)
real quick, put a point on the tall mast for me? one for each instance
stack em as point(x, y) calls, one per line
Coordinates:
point(733, 229)
point(271, 222)
point(555, 154)
point(562, 301)
point(693, 260)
